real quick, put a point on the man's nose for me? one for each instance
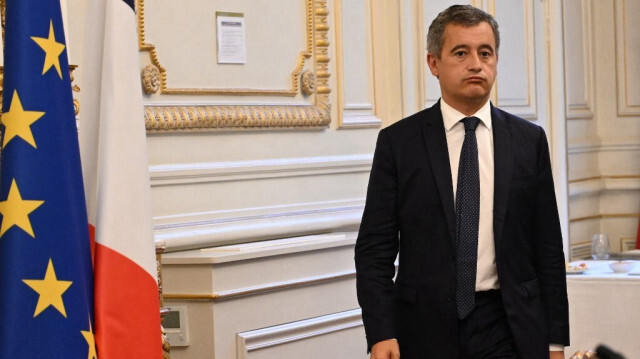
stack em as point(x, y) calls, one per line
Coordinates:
point(474, 63)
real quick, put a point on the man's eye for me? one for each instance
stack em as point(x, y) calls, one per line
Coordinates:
point(459, 53)
point(485, 53)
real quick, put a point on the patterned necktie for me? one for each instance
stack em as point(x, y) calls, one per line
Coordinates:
point(467, 219)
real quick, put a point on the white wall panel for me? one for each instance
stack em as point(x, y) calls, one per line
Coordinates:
point(604, 152)
point(329, 336)
point(287, 298)
point(516, 83)
point(355, 64)
point(414, 60)
point(578, 58)
point(628, 56)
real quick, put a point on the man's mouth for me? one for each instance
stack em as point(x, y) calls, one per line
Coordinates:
point(475, 79)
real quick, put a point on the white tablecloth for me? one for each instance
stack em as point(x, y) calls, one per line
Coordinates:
point(604, 308)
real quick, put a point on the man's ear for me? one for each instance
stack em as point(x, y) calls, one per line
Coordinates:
point(433, 64)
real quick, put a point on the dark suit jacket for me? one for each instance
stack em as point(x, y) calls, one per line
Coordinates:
point(410, 211)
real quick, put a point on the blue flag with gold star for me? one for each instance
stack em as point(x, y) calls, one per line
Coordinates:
point(46, 277)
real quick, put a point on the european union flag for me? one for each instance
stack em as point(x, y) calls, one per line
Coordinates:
point(46, 276)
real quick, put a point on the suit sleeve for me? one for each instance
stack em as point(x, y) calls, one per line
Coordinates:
point(550, 261)
point(377, 246)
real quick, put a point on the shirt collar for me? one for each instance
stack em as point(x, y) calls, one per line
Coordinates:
point(451, 116)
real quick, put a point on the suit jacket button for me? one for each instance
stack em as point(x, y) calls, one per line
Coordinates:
point(449, 299)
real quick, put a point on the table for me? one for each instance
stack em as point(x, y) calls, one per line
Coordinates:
point(604, 309)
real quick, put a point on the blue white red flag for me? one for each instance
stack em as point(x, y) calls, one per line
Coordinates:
point(116, 173)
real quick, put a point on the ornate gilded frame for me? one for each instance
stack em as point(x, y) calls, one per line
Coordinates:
point(308, 83)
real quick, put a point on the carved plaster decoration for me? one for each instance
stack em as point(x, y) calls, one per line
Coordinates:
point(308, 82)
point(150, 79)
point(74, 88)
point(162, 118)
point(213, 117)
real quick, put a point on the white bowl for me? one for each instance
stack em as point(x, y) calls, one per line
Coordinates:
point(622, 266)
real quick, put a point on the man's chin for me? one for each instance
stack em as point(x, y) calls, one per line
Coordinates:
point(477, 96)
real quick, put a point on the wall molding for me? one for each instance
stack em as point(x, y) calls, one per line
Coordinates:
point(623, 66)
point(599, 184)
point(359, 121)
point(317, 114)
point(526, 107)
point(210, 172)
point(584, 108)
point(262, 289)
point(359, 116)
point(604, 216)
point(265, 338)
point(208, 229)
point(355, 115)
point(603, 147)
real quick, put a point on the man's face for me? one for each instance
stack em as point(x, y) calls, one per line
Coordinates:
point(467, 65)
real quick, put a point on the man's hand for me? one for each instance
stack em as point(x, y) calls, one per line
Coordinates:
point(556, 355)
point(387, 349)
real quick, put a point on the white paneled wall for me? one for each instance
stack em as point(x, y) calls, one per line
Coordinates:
point(602, 50)
point(578, 40)
point(516, 83)
point(354, 42)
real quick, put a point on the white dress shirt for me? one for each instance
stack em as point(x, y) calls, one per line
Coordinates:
point(487, 275)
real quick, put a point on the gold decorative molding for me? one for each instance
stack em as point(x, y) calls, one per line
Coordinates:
point(308, 81)
point(74, 88)
point(318, 114)
point(150, 79)
point(159, 118)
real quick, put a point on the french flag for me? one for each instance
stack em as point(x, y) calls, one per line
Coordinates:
point(115, 170)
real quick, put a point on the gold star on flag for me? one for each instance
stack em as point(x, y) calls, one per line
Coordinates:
point(15, 211)
point(17, 122)
point(52, 50)
point(50, 290)
point(88, 336)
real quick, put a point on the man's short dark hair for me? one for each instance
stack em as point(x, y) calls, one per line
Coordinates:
point(464, 15)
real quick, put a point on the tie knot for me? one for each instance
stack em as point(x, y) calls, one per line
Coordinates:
point(470, 123)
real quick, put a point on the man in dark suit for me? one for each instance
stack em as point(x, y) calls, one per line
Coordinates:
point(462, 194)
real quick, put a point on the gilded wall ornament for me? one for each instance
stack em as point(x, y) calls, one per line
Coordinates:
point(188, 117)
point(150, 79)
point(74, 88)
point(308, 82)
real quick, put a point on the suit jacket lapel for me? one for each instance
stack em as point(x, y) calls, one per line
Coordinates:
point(503, 167)
point(435, 141)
